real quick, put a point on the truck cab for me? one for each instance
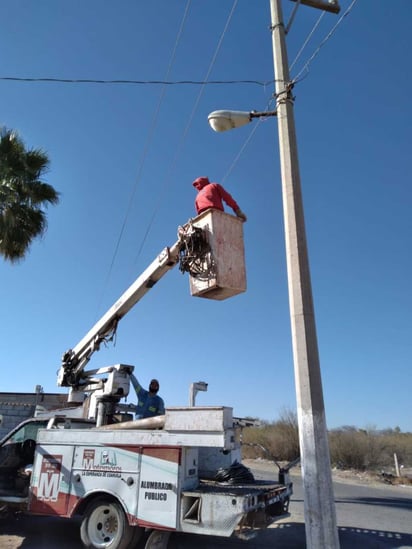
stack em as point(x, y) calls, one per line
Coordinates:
point(17, 450)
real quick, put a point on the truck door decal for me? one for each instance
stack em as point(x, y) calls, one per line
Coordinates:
point(49, 492)
point(49, 481)
point(100, 463)
point(159, 484)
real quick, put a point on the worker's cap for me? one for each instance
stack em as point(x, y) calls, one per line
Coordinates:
point(200, 182)
point(154, 385)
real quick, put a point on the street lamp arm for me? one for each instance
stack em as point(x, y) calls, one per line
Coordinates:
point(262, 114)
point(326, 5)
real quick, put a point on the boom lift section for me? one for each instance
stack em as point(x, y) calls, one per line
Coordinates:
point(190, 246)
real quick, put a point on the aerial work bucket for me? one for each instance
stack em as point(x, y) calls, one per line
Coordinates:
point(223, 272)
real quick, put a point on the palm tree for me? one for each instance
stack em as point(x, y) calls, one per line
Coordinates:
point(23, 196)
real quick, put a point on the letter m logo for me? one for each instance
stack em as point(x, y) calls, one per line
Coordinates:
point(88, 458)
point(48, 489)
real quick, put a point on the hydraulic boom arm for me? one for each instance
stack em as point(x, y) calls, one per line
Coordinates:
point(71, 373)
point(74, 360)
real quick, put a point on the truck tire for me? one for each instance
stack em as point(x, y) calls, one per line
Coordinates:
point(105, 526)
point(158, 539)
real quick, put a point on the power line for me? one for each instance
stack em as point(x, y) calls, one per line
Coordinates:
point(261, 83)
point(315, 26)
point(323, 42)
point(186, 129)
point(242, 149)
point(252, 132)
point(246, 142)
point(146, 149)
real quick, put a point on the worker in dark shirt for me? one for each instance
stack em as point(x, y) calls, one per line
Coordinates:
point(149, 402)
point(212, 195)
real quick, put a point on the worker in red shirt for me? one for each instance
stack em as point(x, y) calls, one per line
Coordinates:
point(212, 195)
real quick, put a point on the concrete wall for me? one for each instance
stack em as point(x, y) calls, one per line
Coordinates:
point(16, 407)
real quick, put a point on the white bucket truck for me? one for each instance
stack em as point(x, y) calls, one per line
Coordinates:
point(180, 472)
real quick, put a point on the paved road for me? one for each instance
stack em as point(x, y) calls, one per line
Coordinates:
point(369, 517)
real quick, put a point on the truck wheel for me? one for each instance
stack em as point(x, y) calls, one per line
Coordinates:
point(105, 525)
point(158, 539)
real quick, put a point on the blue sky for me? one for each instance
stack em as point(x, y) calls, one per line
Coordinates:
point(123, 157)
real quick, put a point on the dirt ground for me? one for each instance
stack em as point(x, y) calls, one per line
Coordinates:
point(342, 475)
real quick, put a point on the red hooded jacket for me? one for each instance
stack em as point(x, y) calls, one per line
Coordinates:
point(212, 195)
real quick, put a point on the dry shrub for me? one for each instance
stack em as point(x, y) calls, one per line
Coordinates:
point(350, 447)
point(279, 438)
point(369, 449)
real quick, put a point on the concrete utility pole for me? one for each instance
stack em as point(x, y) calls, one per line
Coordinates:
point(319, 504)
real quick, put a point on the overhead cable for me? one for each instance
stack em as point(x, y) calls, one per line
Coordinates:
point(146, 146)
point(242, 149)
point(306, 66)
point(186, 130)
point(315, 26)
point(261, 83)
point(252, 132)
point(248, 139)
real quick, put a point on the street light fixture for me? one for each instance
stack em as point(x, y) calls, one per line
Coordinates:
point(221, 121)
point(194, 389)
point(319, 505)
